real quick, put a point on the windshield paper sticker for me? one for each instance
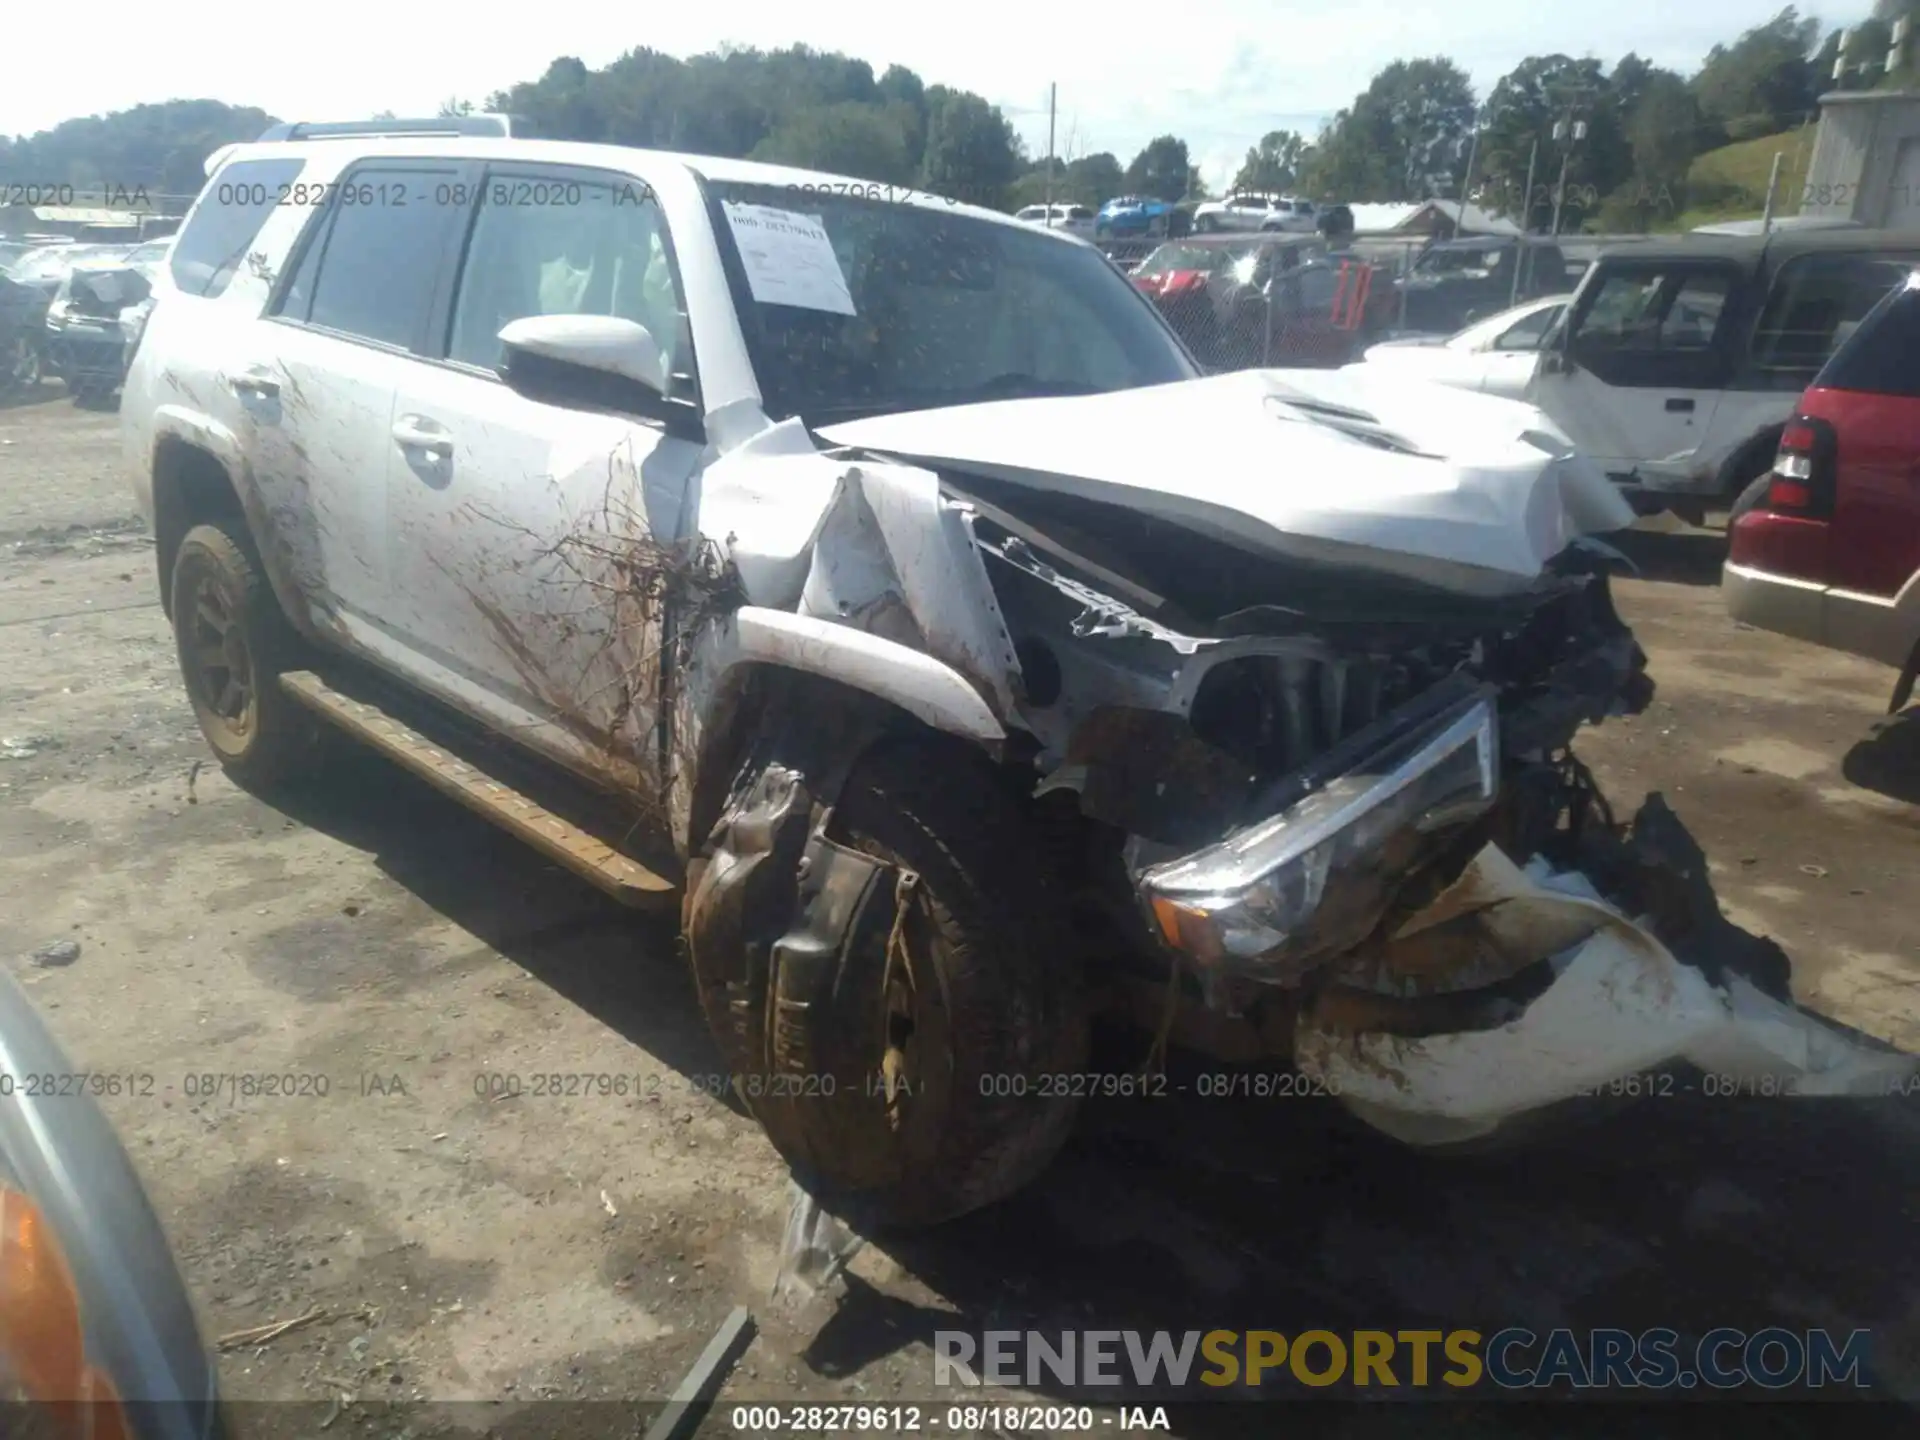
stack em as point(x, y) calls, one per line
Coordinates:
point(788, 258)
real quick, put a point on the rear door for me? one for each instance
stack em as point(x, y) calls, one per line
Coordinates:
point(1645, 358)
point(1872, 391)
point(519, 529)
point(319, 383)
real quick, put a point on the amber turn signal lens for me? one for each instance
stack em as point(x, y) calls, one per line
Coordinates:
point(41, 1342)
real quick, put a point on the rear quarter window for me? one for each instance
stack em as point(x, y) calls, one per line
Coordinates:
point(231, 210)
point(1878, 358)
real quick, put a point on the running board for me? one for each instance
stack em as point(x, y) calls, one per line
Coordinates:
point(559, 839)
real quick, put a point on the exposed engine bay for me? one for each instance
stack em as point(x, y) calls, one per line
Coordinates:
point(1223, 723)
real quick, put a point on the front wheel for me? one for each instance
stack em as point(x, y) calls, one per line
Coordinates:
point(924, 1071)
point(233, 644)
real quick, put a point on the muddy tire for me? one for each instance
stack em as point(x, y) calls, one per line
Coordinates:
point(233, 643)
point(967, 990)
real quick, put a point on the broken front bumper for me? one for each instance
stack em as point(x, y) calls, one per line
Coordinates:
point(1619, 1013)
point(1513, 989)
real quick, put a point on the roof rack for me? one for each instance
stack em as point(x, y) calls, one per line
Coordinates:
point(495, 125)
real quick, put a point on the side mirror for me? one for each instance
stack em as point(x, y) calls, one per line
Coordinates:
point(590, 346)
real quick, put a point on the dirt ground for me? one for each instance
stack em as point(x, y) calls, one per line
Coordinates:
point(380, 942)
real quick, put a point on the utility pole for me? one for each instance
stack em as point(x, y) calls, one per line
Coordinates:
point(1053, 92)
point(1526, 222)
point(1773, 189)
point(1473, 150)
point(1572, 132)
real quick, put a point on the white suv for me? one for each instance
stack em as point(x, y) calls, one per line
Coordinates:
point(1243, 212)
point(877, 575)
point(1072, 219)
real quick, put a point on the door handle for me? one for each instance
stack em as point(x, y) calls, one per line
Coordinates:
point(1679, 405)
point(419, 433)
point(254, 380)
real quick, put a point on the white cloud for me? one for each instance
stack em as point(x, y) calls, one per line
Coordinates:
point(1218, 73)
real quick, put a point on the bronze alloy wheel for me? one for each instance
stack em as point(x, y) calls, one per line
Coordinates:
point(219, 670)
point(233, 644)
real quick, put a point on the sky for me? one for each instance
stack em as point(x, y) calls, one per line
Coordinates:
point(1218, 73)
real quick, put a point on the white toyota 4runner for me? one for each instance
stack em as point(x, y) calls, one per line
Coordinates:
point(876, 575)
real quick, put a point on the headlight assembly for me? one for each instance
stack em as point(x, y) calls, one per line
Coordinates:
point(1313, 879)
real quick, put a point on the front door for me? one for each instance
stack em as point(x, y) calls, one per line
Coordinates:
point(1636, 381)
point(521, 533)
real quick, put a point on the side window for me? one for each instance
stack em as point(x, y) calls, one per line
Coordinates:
point(1816, 302)
point(1616, 310)
point(1528, 333)
point(574, 247)
point(1693, 312)
point(1655, 326)
point(383, 252)
point(295, 301)
point(230, 212)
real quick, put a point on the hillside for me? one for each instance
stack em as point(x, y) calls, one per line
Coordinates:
point(1731, 183)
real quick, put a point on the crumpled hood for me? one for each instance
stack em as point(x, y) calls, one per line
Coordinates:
point(1470, 492)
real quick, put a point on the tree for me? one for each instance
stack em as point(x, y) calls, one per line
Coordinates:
point(1163, 169)
point(161, 148)
point(847, 139)
point(1094, 179)
point(1764, 82)
point(1405, 137)
point(1525, 106)
point(453, 105)
point(1274, 164)
point(1664, 132)
point(798, 105)
point(972, 153)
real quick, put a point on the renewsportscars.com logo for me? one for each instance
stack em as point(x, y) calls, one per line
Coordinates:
point(1197, 1361)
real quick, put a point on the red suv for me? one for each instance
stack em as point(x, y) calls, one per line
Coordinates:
point(1827, 547)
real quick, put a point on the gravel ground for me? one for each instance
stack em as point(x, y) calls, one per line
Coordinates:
point(381, 942)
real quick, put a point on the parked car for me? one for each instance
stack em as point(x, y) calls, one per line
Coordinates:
point(877, 582)
point(1241, 212)
point(1134, 217)
point(1826, 546)
point(1335, 223)
point(1250, 300)
point(1293, 216)
point(28, 286)
point(1455, 282)
point(99, 1335)
point(23, 313)
point(1681, 361)
point(1495, 355)
point(1073, 219)
point(96, 316)
point(15, 250)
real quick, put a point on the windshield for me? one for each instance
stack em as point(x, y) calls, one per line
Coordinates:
point(856, 306)
point(1212, 259)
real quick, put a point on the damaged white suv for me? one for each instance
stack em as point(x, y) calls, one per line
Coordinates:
point(875, 574)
